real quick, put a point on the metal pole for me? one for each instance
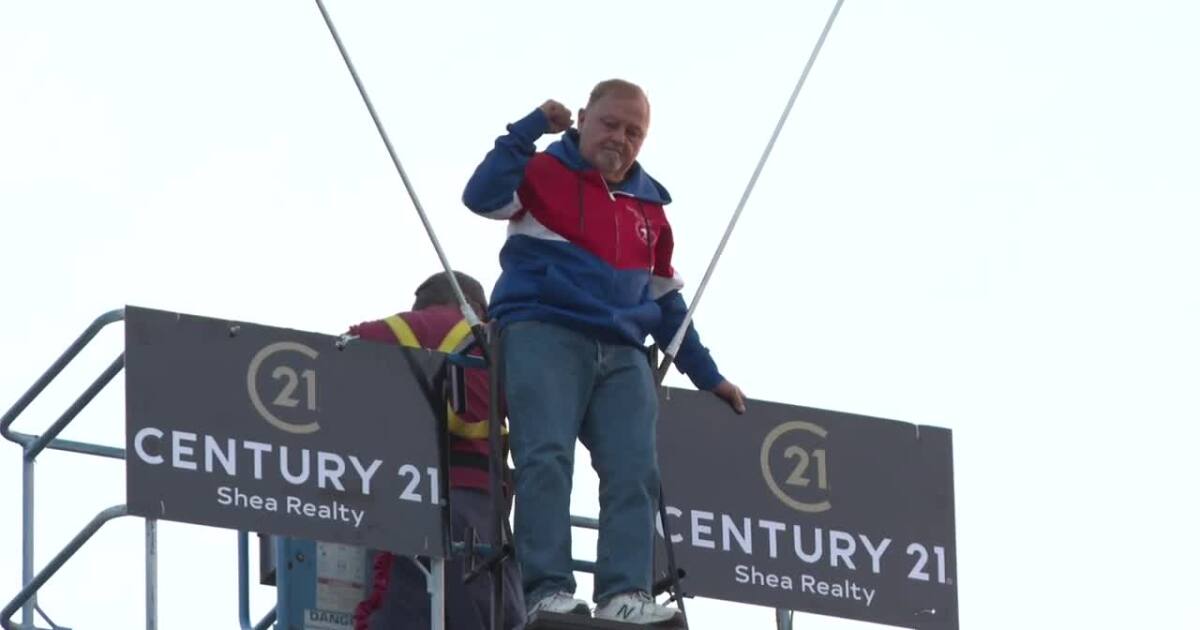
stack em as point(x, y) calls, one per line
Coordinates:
point(437, 591)
point(672, 566)
point(30, 590)
point(496, 467)
point(673, 349)
point(244, 579)
point(673, 577)
point(114, 368)
point(267, 621)
point(74, 349)
point(27, 540)
point(783, 619)
point(151, 574)
point(467, 312)
point(84, 448)
point(283, 585)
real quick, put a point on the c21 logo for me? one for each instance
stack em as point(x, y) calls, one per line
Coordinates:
point(805, 487)
point(290, 380)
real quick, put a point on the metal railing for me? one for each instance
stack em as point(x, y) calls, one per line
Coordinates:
point(33, 445)
point(244, 588)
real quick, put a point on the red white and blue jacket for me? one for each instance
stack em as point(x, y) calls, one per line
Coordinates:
point(582, 253)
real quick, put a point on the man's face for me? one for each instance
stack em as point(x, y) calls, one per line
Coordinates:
point(611, 131)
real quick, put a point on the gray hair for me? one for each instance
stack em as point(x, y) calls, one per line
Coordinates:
point(616, 86)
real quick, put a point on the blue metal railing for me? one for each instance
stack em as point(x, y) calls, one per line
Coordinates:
point(59, 560)
point(244, 588)
point(32, 445)
point(49, 375)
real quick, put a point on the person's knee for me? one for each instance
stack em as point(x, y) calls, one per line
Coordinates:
point(546, 458)
point(630, 474)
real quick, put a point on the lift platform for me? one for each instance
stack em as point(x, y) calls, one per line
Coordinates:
point(788, 507)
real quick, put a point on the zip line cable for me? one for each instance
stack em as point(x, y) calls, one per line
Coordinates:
point(468, 312)
point(671, 350)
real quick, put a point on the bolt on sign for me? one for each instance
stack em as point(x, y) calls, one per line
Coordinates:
point(809, 510)
point(279, 431)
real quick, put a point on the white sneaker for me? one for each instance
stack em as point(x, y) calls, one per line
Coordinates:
point(636, 607)
point(561, 602)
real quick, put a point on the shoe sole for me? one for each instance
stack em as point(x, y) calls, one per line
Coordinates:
point(580, 609)
point(556, 621)
point(674, 621)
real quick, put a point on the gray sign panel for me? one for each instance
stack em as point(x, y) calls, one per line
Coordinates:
point(272, 430)
point(810, 510)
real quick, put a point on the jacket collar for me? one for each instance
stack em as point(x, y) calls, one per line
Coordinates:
point(637, 184)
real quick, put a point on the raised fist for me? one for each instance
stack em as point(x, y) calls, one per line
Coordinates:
point(558, 116)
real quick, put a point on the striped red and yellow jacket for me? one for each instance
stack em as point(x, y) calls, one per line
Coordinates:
point(443, 328)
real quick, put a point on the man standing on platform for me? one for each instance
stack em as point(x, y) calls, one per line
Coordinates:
point(586, 276)
point(399, 599)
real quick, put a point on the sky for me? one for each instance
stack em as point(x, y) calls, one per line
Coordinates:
point(980, 216)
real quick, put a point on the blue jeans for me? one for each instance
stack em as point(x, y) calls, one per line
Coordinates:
point(562, 385)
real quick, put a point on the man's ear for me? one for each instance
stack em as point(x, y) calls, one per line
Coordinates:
point(579, 118)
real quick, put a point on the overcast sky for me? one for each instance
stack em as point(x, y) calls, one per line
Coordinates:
point(981, 216)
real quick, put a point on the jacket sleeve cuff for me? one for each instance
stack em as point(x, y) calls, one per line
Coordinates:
point(705, 376)
point(531, 127)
